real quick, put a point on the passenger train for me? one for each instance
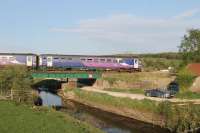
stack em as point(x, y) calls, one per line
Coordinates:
point(71, 62)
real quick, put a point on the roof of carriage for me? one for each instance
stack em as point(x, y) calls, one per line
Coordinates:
point(111, 56)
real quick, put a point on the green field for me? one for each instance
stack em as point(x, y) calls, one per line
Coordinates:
point(24, 119)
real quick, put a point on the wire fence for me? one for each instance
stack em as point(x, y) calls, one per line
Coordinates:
point(17, 95)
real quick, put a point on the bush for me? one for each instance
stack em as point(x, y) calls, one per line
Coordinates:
point(185, 79)
point(16, 78)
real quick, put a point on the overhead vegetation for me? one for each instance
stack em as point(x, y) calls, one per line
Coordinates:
point(190, 46)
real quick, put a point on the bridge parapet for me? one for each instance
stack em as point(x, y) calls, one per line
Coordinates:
point(66, 75)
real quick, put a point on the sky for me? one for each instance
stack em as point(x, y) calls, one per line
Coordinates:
point(95, 26)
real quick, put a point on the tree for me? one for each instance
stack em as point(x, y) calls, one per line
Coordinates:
point(190, 46)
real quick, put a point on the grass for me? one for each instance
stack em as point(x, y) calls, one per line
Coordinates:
point(150, 63)
point(104, 99)
point(188, 95)
point(134, 91)
point(175, 117)
point(139, 80)
point(16, 118)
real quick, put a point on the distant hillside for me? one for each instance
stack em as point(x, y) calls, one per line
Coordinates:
point(166, 55)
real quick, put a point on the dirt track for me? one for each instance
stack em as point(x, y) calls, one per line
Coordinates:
point(140, 96)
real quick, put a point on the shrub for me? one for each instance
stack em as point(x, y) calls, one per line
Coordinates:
point(185, 79)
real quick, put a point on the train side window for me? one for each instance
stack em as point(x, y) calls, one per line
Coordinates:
point(55, 58)
point(102, 60)
point(114, 61)
point(83, 59)
point(63, 58)
point(89, 59)
point(44, 58)
point(96, 60)
point(109, 60)
point(69, 58)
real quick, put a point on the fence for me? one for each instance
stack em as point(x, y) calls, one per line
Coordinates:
point(17, 95)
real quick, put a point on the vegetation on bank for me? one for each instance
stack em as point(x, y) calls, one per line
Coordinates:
point(155, 64)
point(18, 118)
point(144, 77)
point(16, 81)
point(177, 118)
point(185, 80)
point(134, 91)
point(145, 105)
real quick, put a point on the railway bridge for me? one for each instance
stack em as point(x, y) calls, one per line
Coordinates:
point(70, 78)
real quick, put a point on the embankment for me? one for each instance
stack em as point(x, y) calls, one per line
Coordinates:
point(163, 114)
point(142, 80)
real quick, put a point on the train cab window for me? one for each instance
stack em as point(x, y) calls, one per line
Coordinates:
point(120, 61)
point(109, 60)
point(49, 59)
point(102, 60)
point(96, 60)
point(11, 58)
point(136, 61)
point(29, 58)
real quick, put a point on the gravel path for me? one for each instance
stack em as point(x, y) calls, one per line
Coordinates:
point(139, 96)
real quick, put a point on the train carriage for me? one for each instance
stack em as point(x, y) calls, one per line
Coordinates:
point(60, 61)
point(88, 62)
point(29, 60)
point(71, 62)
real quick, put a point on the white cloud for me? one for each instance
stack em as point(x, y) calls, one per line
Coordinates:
point(137, 33)
point(187, 14)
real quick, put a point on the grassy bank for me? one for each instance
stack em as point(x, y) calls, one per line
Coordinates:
point(175, 117)
point(188, 95)
point(134, 91)
point(24, 119)
point(141, 80)
point(145, 105)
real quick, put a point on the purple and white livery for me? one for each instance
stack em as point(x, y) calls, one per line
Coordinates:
point(81, 62)
point(88, 62)
point(18, 59)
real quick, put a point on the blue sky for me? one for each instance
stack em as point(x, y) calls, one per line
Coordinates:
point(95, 26)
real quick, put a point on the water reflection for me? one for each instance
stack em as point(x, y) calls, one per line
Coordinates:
point(50, 99)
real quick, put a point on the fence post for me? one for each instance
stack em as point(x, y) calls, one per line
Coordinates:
point(11, 94)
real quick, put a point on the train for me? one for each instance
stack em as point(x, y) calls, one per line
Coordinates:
point(71, 62)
